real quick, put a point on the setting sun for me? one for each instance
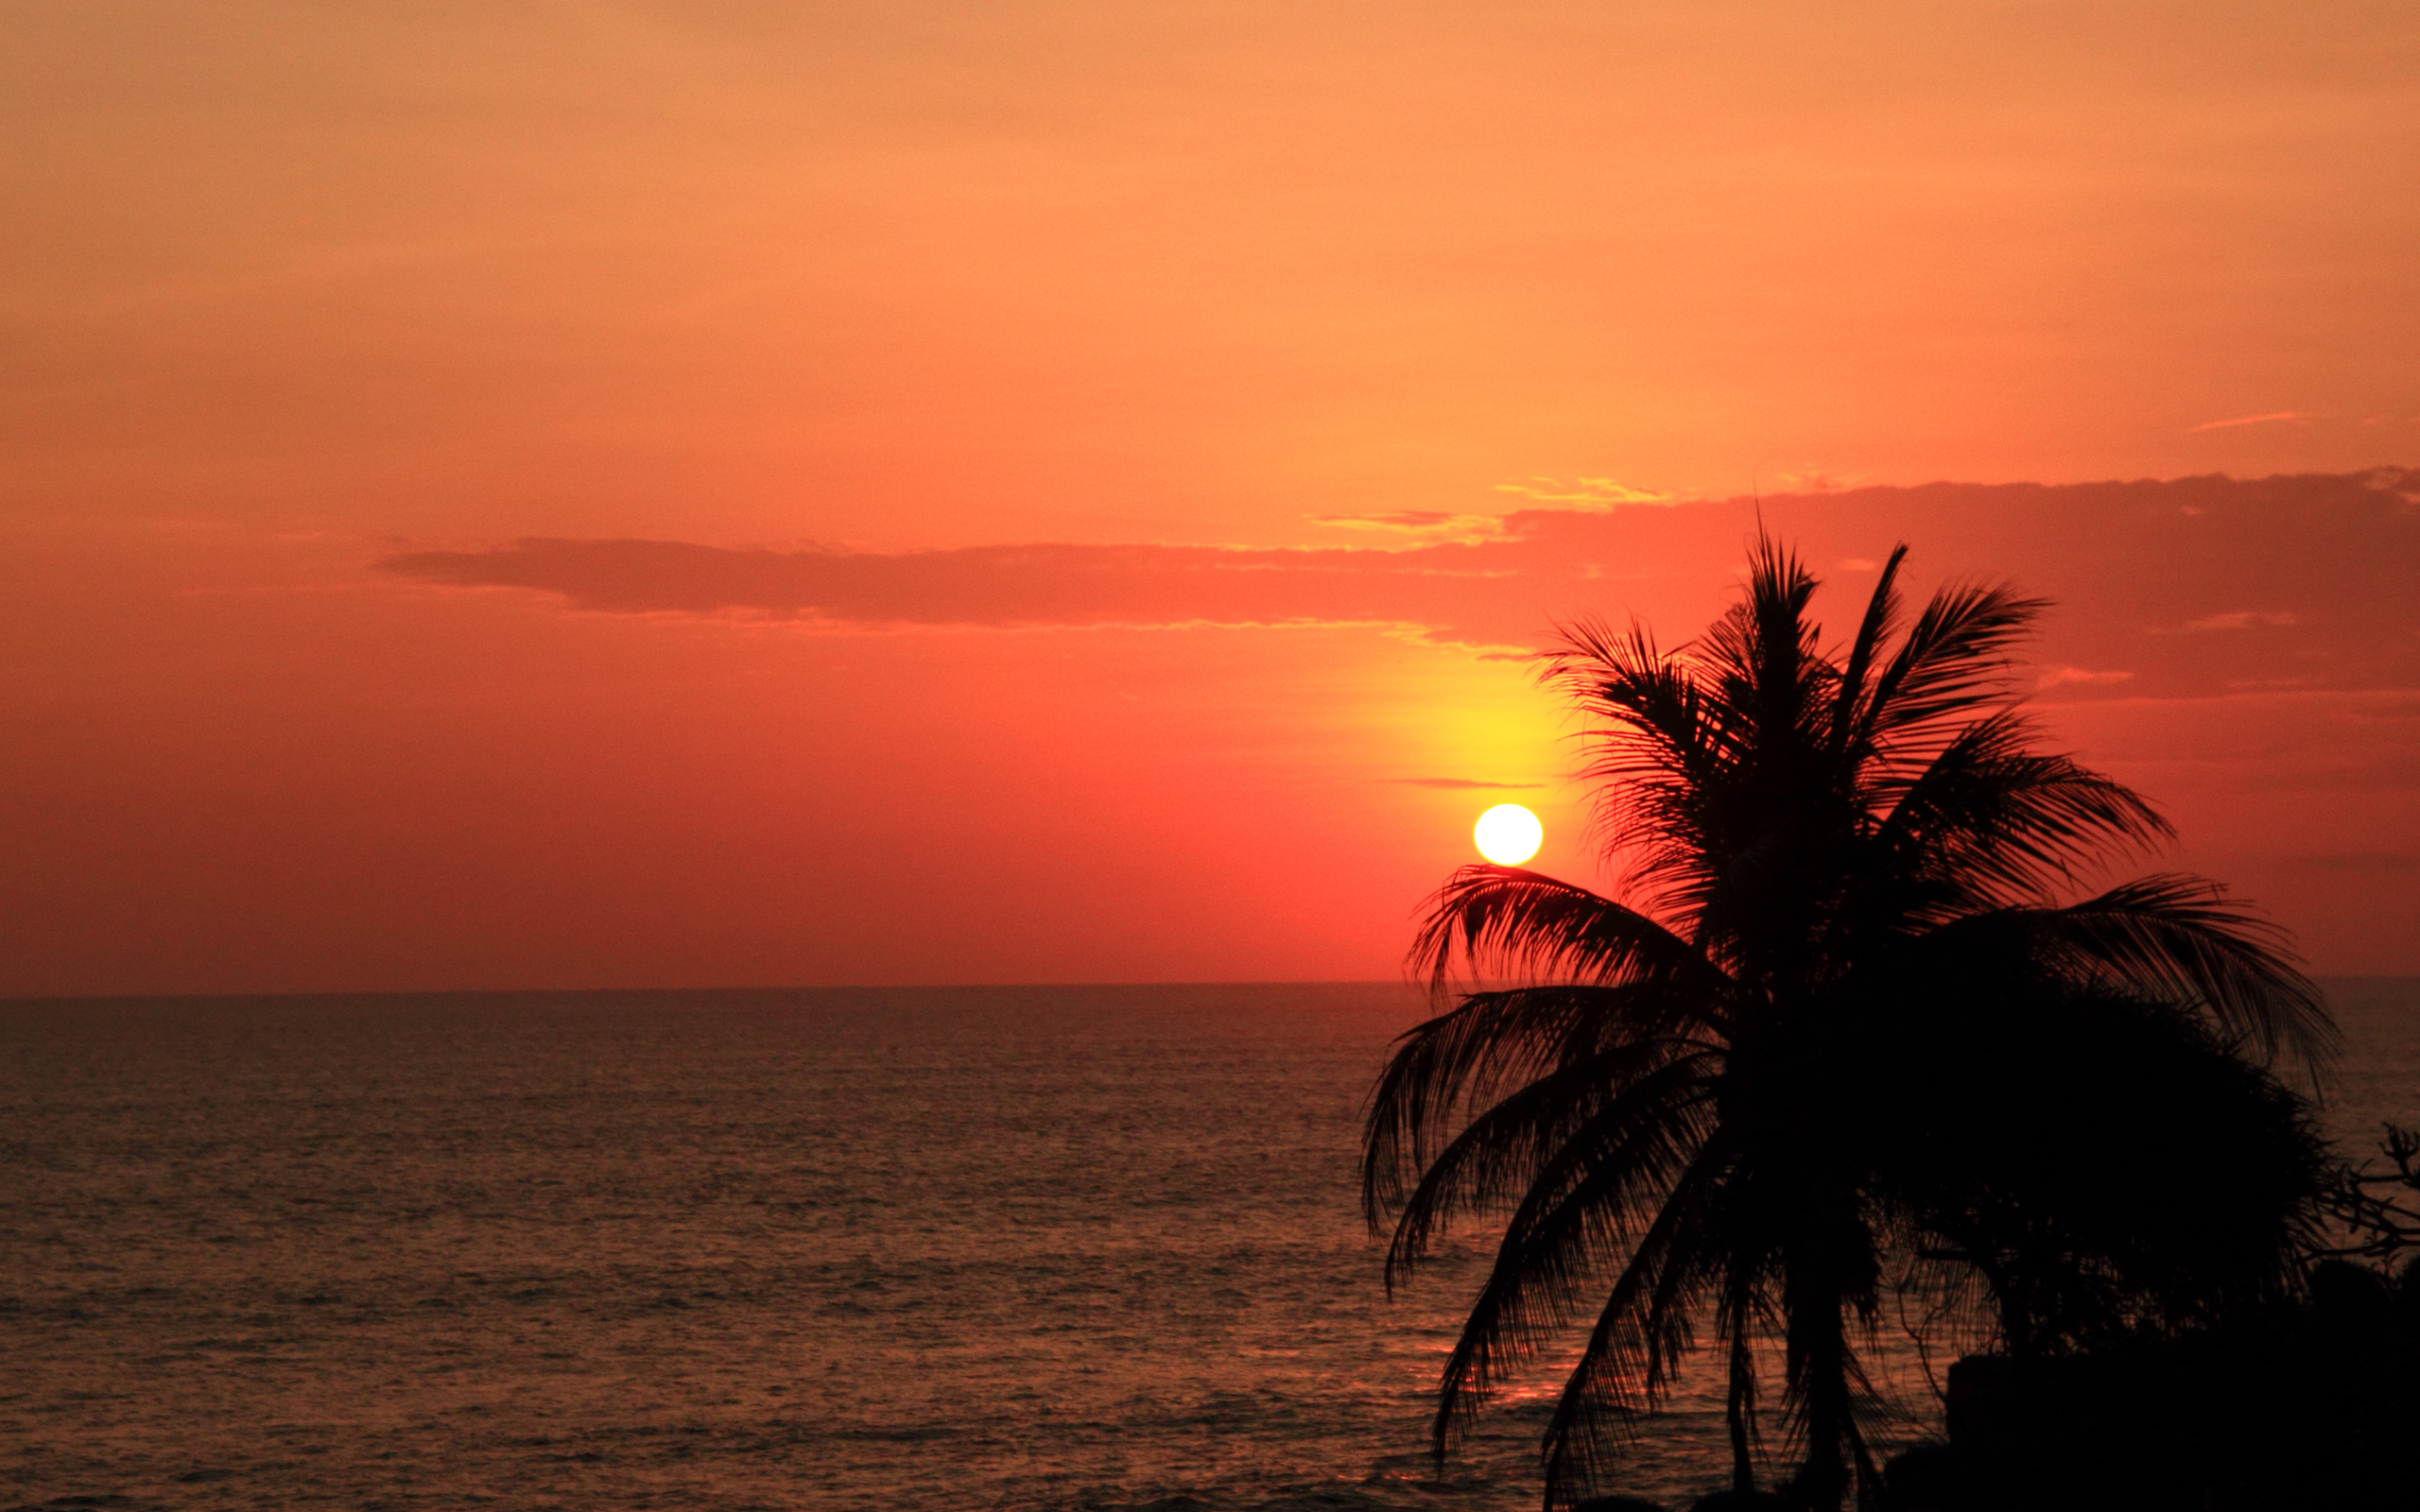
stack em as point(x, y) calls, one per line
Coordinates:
point(1507, 834)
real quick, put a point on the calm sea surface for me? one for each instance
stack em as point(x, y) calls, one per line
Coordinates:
point(997, 1248)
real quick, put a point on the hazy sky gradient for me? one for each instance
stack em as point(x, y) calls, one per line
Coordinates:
point(617, 494)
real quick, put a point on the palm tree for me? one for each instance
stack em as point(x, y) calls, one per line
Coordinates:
point(1837, 1018)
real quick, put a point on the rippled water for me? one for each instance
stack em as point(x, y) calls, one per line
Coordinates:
point(1038, 1247)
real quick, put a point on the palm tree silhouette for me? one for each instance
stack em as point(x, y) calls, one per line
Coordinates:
point(1841, 1022)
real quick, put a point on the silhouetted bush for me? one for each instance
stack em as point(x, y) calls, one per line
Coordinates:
point(2307, 1404)
point(1938, 1478)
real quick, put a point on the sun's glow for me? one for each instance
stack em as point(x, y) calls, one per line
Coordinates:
point(1507, 834)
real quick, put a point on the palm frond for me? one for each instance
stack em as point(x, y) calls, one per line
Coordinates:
point(1998, 823)
point(1523, 1146)
point(1640, 1333)
point(1656, 742)
point(2178, 938)
point(1513, 921)
point(1881, 618)
point(1489, 1041)
point(2165, 1178)
point(1768, 688)
point(1764, 638)
point(1600, 1203)
point(1954, 661)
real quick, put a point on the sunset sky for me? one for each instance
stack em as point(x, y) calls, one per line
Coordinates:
point(590, 494)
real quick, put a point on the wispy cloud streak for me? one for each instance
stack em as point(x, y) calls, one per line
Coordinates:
point(2273, 418)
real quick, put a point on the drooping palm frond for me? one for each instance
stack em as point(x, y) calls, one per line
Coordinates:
point(1511, 921)
point(1642, 1332)
point(1452, 1063)
point(1592, 1210)
point(2102, 1158)
point(2177, 937)
point(1990, 822)
point(1512, 1150)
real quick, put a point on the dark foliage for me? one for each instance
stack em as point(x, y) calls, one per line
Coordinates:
point(2101, 1160)
point(1842, 1020)
point(2300, 1403)
point(2377, 1211)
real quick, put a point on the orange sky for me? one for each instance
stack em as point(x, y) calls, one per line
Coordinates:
point(916, 354)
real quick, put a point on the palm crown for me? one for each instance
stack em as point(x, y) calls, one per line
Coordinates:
point(1842, 1022)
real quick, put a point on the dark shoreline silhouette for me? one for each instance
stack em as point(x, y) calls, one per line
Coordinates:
point(2310, 1404)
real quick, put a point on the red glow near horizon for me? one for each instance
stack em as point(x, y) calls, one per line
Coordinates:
point(621, 497)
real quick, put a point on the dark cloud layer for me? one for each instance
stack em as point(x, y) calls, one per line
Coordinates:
point(986, 585)
point(2199, 585)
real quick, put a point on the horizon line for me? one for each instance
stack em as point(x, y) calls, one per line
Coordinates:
point(57, 999)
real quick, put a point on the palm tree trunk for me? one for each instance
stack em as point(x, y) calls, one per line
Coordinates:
point(1742, 1405)
point(1818, 1348)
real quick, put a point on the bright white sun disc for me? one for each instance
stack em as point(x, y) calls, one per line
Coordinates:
point(1507, 834)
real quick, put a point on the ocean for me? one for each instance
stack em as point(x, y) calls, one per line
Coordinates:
point(1013, 1248)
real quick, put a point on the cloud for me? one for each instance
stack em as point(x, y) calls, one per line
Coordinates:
point(2295, 417)
point(1426, 524)
point(2243, 619)
point(2113, 558)
point(1809, 478)
point(1457, 783)
point(2078, 676)
point(1597, 492)
point(997, 587)
point(1400, 520)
